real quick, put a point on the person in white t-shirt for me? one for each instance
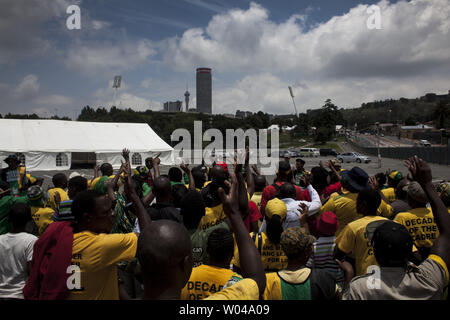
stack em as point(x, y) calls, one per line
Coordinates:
point(288, 194)
point(16, 252)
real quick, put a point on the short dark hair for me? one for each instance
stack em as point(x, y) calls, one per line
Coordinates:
point(59, 180)
point(287, 190)
point(84, 202)
point(19, 215)
point(199, 177)
point(381, 177)
point(106, 169)
point(178, 192)
point(220, 245)
point(192, 209)
point(300, 160)
point(175, 174)
point(78, 182)
point(370, 199)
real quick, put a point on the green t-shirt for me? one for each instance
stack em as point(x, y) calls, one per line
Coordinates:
point(199, 240)
point(6, 203)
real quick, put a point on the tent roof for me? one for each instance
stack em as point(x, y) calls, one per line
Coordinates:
point(74, 136)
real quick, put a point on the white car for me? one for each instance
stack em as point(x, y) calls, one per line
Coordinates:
point(425, 143)
point(353, 157)
point(309, 152)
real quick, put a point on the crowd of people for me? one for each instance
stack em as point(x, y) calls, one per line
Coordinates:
point(225, 233)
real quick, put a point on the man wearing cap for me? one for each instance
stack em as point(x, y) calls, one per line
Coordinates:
point(419, 221)
point(296, 281)
point(268, 242)
point(15, 175)
point(299, 171)
point(401, 204)
point(41, 214)
point(284, 175)
point(444, 193)
point(394, 179)
point(344, 204)
point(396, 279)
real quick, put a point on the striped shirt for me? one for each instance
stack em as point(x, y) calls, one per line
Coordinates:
point(322, 257)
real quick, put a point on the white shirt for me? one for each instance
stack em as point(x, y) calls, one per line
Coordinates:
point(16, 249)
point(293, 215)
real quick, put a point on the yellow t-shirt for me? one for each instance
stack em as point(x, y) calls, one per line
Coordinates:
point(272, 255)
point(344, 206)
point(353, 238)
point(213, 216)
point(420, 224)
point(52, 192)
point(246, 289)
point(256, 198)
point(206, 280)
point(389, 194)
point(97, 256)
point(42, 217)
point(273, 282)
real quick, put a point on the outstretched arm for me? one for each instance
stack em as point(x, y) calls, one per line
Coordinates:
point(250, 260)
point(421, 172)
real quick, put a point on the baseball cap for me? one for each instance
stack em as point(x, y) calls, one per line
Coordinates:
point(141, 171)
point(395, 175)
point(36, 193)
point(444, 187)
point(327, 224)
point(295, 240)
point(416, 192)
point(357, 178)
point(392, 240)
point(276, 207)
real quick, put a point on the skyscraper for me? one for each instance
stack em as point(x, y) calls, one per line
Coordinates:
point(186, 98)
point(204, 90)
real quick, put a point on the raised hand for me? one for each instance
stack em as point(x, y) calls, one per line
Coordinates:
point(420, 170)
point(185, 167)
point(304, 210)
point(126, 154)
point(230, 201)
point(374, 183)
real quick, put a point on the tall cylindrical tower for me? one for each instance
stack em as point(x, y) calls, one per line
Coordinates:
point(204, 90)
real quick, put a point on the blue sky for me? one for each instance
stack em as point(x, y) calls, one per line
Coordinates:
point(323, 49)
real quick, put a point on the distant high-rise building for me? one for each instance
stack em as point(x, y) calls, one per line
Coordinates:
point(173, 106)
point(204, 90)
point(186, 98)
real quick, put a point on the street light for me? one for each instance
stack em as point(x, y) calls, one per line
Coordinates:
point(378, 138)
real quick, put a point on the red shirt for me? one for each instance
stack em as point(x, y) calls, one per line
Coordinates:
point(269, 193)
point(332, 189)
point(253, 216)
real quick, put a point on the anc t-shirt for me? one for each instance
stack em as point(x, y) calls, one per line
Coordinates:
point(272, 255)
point(213, 216)
point(42, 217)
point(389, 194)
point(420, 224)
point(206, 280)
point(246, 289)
point(353, 238)
point(302, 284)
point(97, 256)
point(62, 194)
point(344, 206)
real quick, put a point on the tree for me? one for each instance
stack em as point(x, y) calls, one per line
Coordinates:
point(441, 114)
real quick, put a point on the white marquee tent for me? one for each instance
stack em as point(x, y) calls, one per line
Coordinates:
point(48, 144)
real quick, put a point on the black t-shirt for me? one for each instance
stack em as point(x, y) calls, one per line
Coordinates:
point(164, 211)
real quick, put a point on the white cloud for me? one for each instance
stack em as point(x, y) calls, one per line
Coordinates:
point(414, 34)
point(93, 58)
point(54, 100)
point(27, 88)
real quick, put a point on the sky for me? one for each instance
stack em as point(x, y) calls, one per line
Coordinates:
point(256, 49)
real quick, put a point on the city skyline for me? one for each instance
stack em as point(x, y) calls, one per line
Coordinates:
point(256, 49)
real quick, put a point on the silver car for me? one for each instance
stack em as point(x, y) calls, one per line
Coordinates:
point(353, 157)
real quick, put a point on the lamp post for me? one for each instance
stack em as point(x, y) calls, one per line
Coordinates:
point(378, 138)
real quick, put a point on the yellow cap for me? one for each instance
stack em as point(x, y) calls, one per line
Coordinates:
point(276, 207)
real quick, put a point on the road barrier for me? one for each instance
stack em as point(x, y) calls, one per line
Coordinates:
point(438, 155)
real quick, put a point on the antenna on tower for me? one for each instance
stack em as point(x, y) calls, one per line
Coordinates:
point(186, 97)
